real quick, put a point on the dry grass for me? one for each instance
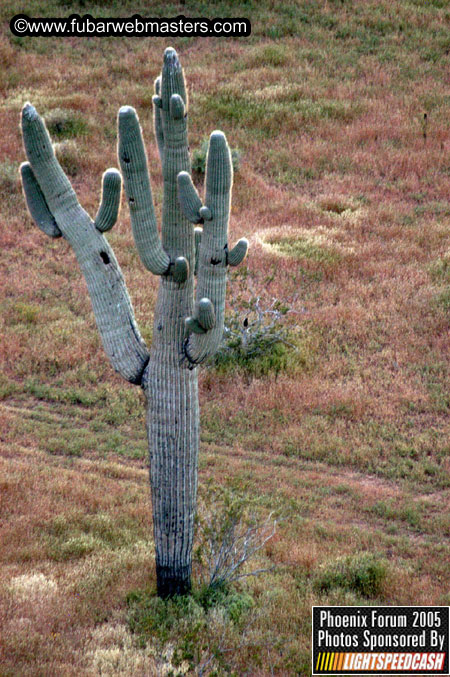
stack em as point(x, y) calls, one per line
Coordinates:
point(343, 193)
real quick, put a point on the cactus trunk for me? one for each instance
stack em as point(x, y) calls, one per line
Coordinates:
point(173, 443)
point(173, 433)
point(188, 322)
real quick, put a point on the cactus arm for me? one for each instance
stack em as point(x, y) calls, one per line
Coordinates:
point(177, 233)
point(110, 202)
point(133, 163)
point(213, 255)
point(238, 253)
point(205, 318)
point(180, 270)
point(176, 107)
point(172, 79)
point(206, 314)
point(205, 214)
point(110, 301)
point(190, 201)
point(36, 203)
point(193, 326)
point(54, 184)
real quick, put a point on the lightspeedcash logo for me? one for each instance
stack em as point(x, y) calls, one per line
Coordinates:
point(380, 640)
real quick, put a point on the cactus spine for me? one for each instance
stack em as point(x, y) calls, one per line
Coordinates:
point(188, 322)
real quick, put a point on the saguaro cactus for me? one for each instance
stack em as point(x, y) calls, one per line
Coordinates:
point(188, 322)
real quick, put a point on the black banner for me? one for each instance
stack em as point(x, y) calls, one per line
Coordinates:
point(380, 640)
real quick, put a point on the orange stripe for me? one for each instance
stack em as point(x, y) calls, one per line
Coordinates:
point(341, 662)
point(336, 661)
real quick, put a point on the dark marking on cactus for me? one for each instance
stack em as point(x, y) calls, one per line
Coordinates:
point(191, 362)
point(214, 261)
point(131, 200)
point(126, 159)
point(105, 258)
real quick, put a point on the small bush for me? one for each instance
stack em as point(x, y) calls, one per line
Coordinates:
point(363, 574)
point(21, 313)
point(335, 205)
point(191, 632)
point(440, 269)
point(153, 616)
point(7, 387)
point(443, 299)
point(305, 248)
point(272, 55)
point(228, 536)
point(65, 447)
point(256, 340)
point(64, 124)
point(75, 547)
point(199, 158)
point(68, 156)
point(9, 177)
point(261, 355)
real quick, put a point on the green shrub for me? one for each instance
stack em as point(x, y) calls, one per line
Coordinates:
point(191, 632)
point(363, 574)
point(303, 248)
point(440, 269)
point(267, 353)
point(20, 313)
point(9, 177)
point(229, 534)
point(256, 340)
point(443, 299)
point(7, 387)
point(64, 124)
point(68, 156)
point(152, 616)
point(75, 547)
